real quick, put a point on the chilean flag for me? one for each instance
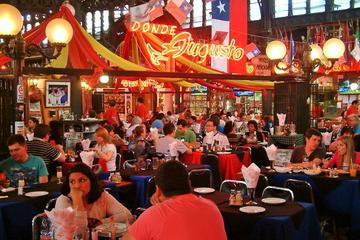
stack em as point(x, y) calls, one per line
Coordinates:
point(230, 16)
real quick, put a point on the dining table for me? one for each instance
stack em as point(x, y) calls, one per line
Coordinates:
point(229, 163)
point(141, 178)
point(336, 196)
point(288, 220)
point(17, 211)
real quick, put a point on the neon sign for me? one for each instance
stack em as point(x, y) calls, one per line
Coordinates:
point(182, 43)
point(142, 84)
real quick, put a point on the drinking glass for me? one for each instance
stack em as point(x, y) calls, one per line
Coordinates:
point(155, 163)
point(353, 170)
point(251, 194)
point(59, 174)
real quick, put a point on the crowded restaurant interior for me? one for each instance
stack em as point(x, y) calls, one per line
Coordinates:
point(179, 119)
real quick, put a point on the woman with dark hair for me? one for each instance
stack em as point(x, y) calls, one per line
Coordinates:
point(82, 191)
point(139, 144)
point(253, 135)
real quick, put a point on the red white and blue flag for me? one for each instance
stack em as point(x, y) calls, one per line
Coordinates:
point(179, 9)
point(230, 16)
point(251, 51)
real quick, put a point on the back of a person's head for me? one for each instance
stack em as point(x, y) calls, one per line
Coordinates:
point(172, 179)
point(41, 131)
point(312, 131)
point(160, 116)
point(109, 128)
point(137, 120)
point(181, 122)
point(169, 128)
point(140, 100)
point(169, 113)
point(34, 120)
point(356, 139)
point(354, 102)
point(17, 138)
point(347, 130)
point(193, 118)
point(229, 126)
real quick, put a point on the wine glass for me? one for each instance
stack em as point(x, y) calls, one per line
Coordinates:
point(59, 174)
point(251, 194)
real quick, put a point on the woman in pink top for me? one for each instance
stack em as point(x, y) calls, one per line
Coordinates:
point(345, 154)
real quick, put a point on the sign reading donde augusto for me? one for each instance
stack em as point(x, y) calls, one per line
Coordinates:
point(182, 43)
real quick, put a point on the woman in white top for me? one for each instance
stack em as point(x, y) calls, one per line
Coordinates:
point(82, 192)
point(105, 149)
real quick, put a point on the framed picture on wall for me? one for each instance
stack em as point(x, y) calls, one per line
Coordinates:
point(57, 94)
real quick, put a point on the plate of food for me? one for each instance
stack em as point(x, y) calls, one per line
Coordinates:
point(282, 169)
point(252, 209)
point(312, 172)
point(223, 153)
point(273, 200)
point(36, 193)
point(204, 190)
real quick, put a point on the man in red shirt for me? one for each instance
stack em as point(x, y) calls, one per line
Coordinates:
point(177, 214)
point(111, 114)
point(353, 109)
point(142, 110)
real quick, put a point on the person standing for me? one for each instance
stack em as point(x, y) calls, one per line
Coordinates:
point(353, 109)
point(111, 114)
point(142, 111)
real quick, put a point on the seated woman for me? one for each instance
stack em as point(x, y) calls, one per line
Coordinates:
point(345, 154)
point(114, 138)
point(82, 192)
point(105, 149)
point(253, 135)
point(229, 131)
point(139, 145)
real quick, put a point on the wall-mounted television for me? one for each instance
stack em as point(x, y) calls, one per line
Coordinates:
point(243, 93)
point(349, 86)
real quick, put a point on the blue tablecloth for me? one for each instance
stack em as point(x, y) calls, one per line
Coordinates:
point(141, 188)
point(341, 198)
point(16, 212)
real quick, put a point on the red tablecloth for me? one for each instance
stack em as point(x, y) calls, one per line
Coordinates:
point(229, 164)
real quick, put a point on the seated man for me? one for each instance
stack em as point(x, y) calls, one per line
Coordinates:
point(163, 144)
point(41, 147)
point(214, 137)
point(193, 125)
point(20, 162)
point(187, 136)
point(311, 152)
point(176, 212)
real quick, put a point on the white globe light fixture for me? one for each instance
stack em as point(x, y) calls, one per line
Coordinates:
point(334, 48)
point(59, 31)
point(104, 79)
point(316, 51)
point(10, 20)
point(276, 50)
point(354, 86)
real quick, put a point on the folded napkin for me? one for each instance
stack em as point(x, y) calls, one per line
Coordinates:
point(251, 175)
point(238, 125)
point(271, 152)
point(85, 144)
point(282, 118)
point(326, 137)
point(87, 157)
point(232, 118)
point(63, 221)
point(173, 149)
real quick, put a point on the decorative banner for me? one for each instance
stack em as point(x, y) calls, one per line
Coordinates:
point(182, 44)
point(262, 66)
point(142, 84)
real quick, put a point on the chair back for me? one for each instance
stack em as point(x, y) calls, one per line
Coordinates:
point(129, 164)
point(118, 162)
point(262, 183)
point(302, 190)
point(228, 185)
point(279, 192)
point(50, 204)
point(213, 161)
point(259, 156)
point(128, 154)
point(151, 187)
point(36, 225)
point(201, 178)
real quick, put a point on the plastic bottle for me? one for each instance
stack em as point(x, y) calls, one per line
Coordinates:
point(45, 230)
